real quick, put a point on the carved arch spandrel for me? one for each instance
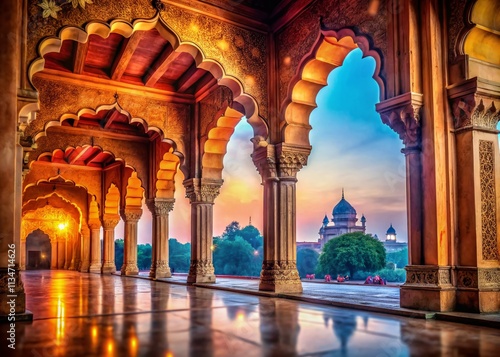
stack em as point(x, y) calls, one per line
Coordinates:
point(328, 53)
point(126, 29)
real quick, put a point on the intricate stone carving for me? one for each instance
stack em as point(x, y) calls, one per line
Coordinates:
point(201, 268)
point(402, 114)
point(160, 269)
point(94, 224)
point(202, 190)
point(425, 275)
point(488, 200)
point(474, 110)
point(264, 159)
point(110, 222)
point(489, 278)
point(279, 271)
point(130, 268)
point(291, 162)
point(131, 215)
point(160, 207)
point(467, 278)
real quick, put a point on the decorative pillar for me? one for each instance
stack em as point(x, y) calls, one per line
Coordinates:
point(201, 194)
point(278, 167)
point(53, 253)
point(67, 253)
point(10, 59)
point(131, 217)
point(22, 252)
point(74, 251)
point(160, 208)
point(475, 113)
point(85, 249)
point(61, 252)
point(95, 247)
point(428, 285)
point(109, 223)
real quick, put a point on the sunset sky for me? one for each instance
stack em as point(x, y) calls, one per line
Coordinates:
point(352, 148)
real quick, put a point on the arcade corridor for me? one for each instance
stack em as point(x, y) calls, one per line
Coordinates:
point(105, 315)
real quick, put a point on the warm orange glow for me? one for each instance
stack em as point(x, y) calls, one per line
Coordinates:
point(212, 247)
point(249, 80)
point(223, 45)
point(169, 354)
point(62, 226)
point(240, 316)
point(110, 347)
point(94, 332)
point(287, 60)
point(373, 7)
point(133, 344)
point(194, 27)
point(60, 324)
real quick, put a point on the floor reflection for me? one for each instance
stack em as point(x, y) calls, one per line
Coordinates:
point(93, 315)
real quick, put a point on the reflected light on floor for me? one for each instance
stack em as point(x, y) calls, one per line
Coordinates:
point(133, 345)
point(110, 347)
point(60, 321)
point(169, 354)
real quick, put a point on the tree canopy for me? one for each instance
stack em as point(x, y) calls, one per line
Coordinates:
point(399, 258)
point(307, 260)
point(179, 256)
point(351, 252)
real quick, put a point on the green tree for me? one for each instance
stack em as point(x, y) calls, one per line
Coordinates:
point(236, 257)
point(399, 258)
point(351, 252)
point(251, 235)
point(231, 230)
point(144, 252)
point(307, 260)
point(119, 253)
point(179, 256)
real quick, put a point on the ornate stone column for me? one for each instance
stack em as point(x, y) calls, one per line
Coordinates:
point(475, 107)
point(74, 249)
point(10, 59)
point(95, 247)
point(67, 253)
point(201, 194)
point(109, 223)
point(428, 285)
point(160, 208)
point(22, 253)
point(131, 217)
point(278, 167)
point(85, 249)
point(53, 253)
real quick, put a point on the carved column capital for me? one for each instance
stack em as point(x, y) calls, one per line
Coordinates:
point(131, 215)
point(475, 104)
point(202, 190)
point(160, 206)
point(402, 114)
point(110, 221)
point(291, 159)
point(264, 159)
point(94, 224)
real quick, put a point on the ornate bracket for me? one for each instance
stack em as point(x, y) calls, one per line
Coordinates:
point(402, 114)
point(291, 159)
point(110, 221)
point(475, 104)
point(160, 206)
point(264, 159)
point(94, 224)
point(131, 214)
point(202, 190)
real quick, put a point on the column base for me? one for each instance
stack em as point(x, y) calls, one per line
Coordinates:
point(84, 268)
point(130, 269)
point(12, 296)
point(161, 270)
point(95, 269)
point(428, 287)
point(478, 289)
point(280, 277)
point(108, 268)
point(201, 272)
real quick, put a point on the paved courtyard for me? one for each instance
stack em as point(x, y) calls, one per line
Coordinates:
point(106, 315)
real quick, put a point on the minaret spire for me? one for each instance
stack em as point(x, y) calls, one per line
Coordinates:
point(342, 192)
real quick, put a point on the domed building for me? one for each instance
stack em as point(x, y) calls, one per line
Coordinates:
point(390, 243)
point(344, 219)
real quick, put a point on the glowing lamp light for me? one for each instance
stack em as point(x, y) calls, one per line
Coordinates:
point(61, 226)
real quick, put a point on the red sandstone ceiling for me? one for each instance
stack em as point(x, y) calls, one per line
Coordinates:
point(86, 155)
point(145, 59)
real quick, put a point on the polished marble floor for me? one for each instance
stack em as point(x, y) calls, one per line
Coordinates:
point(92, 315)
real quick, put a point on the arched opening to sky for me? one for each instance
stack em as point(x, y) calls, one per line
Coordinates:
point(354, 150)
point(240, 197)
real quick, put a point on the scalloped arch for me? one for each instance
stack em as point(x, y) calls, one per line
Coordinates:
point(126, 29)
point(54, 179)
point(165, 183)
point(328, 53)
point(215, 147)
point(112, 202)
point(135, 192)
point(57, 201)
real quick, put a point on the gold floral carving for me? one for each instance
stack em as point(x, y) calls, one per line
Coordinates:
point(402, 114)
point(488, 200)
point(202, 190)
point(474, 278)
